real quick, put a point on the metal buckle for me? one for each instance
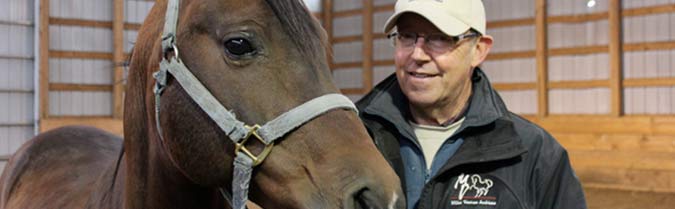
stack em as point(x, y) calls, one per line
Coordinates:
point(241, 146)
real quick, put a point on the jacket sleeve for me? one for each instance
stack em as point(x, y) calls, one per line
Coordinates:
point(558, 187)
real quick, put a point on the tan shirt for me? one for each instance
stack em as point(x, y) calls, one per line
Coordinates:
point(431, 138)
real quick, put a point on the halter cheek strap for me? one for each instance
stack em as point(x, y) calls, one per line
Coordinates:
point(236, 130)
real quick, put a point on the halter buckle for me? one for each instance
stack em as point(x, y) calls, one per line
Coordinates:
point(241, 145)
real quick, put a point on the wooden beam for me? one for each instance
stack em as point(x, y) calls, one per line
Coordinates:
point(80, 55)
point(91, 23)
point(347, 39)
point(367, 64)
point(383, 63)
point(615, 58)
point(642, 82)
point(647, 46)
point(44, 60)
point(578, 18)
point(21, 91)
point(106, 123)
point(514, 86)
point(511, 23)
point(16, 57)
point(658, 9)
point(345, 65)
point(118, 57)
point(79, 87)
point(541, 28)
point(352, 91)
point(580, 50)
point(578, 84)
point(511, 55)
point(16, 22)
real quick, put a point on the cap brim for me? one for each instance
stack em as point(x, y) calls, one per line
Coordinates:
point(446, 23)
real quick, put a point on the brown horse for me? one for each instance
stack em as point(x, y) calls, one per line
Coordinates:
point(258, 58)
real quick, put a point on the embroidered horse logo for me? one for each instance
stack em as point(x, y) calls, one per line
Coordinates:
point(482, 186)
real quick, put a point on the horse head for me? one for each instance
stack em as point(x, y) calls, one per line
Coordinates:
point(258, 59)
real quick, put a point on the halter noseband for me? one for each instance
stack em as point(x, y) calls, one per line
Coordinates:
point(236, 130)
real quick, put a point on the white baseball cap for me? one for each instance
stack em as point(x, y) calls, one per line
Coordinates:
point(452, 17)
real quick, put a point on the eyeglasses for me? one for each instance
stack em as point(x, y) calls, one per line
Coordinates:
point(435, 42)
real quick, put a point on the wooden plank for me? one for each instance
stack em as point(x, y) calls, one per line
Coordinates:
point(347, 39)
point(514, 86)
point(109, 124)
point(580, 50)
point(578, 84)
point(79, 87)
point(379, 36)
point(511, 23)
point(16, 22)
point(367, 64)
point(651, 10)
point(80, 55)
point(344, 65)
point(511, 55)
point(595, 124)
point(91, 23)
point(541, 51)
point(629, 179)
point(352, 91)
point(383, 62)
point(4, 124)
point(621, 142)
point(44, 59)
point(16, 57)
point(639, 82)
point(25, 91)
point(578, 18)
point(615, 58)
point(118, 58)
point(80, 22)
point(647, 46)
point(132, 26)
point(623, 159)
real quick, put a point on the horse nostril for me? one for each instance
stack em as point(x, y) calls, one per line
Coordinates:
point(364, 199)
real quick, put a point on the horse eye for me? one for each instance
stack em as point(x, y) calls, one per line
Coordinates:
point(239, 47)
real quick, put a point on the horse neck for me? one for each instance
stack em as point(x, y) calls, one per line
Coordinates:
point(154, 182)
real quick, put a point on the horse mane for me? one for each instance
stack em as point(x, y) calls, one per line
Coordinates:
point(301, 26)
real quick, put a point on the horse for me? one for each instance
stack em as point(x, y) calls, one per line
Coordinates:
point(202, 76)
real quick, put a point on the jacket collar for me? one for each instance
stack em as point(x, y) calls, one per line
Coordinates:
point(388, 102)
point(486, 125)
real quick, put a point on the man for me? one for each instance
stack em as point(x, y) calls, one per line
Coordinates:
point(446, 131)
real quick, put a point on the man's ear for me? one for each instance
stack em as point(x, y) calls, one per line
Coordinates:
point(482, 49)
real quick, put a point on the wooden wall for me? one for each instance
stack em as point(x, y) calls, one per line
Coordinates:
point(600, 79)
point(83, 46)
point(17, 59)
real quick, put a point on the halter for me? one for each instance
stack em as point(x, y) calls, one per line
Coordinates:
point(236, 130)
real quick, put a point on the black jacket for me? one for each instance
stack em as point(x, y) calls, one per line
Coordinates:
point(504, 162)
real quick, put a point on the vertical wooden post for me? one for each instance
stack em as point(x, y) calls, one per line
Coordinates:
point(44, 60)
point(542, 57)
point(327, 12)
point(615, 59)
point(118, 58)
point(367, 42)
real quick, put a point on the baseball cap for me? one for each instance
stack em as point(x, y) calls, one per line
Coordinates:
point(452, 17)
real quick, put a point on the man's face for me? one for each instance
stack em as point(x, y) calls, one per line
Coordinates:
point(432, 79)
